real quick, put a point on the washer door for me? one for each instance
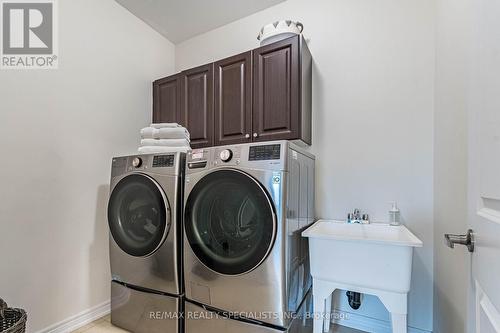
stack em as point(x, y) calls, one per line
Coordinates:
point(230, 222)
point(138, 215)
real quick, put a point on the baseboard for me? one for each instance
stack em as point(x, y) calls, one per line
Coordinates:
point(79, 320)
point(367, 324)
point(348, 319)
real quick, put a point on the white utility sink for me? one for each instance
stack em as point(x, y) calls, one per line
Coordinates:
point(372, 259)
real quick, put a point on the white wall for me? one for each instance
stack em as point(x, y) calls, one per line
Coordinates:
point(59, 130)
point(373, 100)
point(451, 267)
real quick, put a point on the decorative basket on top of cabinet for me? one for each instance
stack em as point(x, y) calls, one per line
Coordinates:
point(12, 320)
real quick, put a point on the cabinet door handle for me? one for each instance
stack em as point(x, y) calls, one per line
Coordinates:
point(255, 135)
point(247, 136)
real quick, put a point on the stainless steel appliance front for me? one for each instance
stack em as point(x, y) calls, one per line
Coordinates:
point(145, 312)
point(199, 319)
point(144, 216)
point(245, 208)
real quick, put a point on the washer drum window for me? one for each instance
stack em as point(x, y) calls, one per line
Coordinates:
point(230, 222)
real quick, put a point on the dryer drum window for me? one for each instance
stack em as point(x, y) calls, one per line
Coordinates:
point(230, 222)
point(137, 215)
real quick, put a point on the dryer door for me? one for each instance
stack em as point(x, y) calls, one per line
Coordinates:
point(230, 222)
point(138, 215)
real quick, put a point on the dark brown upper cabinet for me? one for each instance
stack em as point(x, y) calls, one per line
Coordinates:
point(233, 99)
point(167, 99)
point(260, 95)
point(197, 109)
point(282, 91)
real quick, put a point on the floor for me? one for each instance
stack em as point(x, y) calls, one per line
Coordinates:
point(342, 329)
point(103, 325)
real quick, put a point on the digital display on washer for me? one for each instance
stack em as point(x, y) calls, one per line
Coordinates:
point(262, 153)
point(163, 161)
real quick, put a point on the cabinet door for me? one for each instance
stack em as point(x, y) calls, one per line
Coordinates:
point(197, 105)
point(167, 100)
point(276, 95)
point(233, 99)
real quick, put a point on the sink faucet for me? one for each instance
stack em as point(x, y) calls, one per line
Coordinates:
point(357, 217)
point(356, 214)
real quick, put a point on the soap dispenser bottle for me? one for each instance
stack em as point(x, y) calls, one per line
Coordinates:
point(394, 214)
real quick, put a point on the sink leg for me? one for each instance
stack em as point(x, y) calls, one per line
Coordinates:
point(321, 291)
point(319, 305)
point(397, 305)
point(398, 323)
point(328, 314)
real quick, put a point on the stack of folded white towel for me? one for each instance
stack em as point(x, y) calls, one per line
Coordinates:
point(164, 138)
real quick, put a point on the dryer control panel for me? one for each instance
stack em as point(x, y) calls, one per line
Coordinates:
point(159, 163)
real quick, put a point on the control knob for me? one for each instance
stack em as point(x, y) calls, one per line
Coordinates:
point(137, 162)
point(226, 155)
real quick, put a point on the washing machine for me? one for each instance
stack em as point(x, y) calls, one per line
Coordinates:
point(245, 208)
point(145, 221)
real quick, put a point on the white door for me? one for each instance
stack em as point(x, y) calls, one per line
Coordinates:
point(484, 166)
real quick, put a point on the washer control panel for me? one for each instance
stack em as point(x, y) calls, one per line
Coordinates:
point(264, 156)
point(163, 161)
point(265, 152)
